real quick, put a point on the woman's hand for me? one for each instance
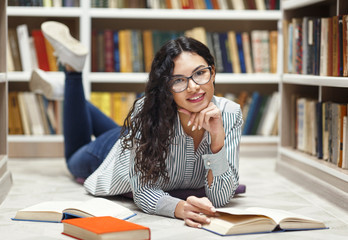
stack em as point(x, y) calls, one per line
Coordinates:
point(195, 211)
point(210, 119)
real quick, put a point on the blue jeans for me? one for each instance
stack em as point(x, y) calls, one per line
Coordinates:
point(81, 121)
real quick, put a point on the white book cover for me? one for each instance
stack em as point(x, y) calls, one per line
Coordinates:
point(238, 5)
point(24, 47)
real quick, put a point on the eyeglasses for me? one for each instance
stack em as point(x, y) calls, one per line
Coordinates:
point(200, 77)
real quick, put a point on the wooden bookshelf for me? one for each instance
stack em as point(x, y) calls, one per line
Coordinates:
point(322, 177)
point(84, 18)
point(5, 175)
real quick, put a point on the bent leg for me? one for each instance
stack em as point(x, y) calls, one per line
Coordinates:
point(88, 158)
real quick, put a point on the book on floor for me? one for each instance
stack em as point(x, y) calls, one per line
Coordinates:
point(56, 211)
point(104, 228)
point(232, 221)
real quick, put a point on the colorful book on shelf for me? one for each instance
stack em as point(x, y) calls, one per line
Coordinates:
point(252, 113)
point(233, 51)
point(100, 51)
point(234, 221)
point(13, 44)
point(24, 47)
point(40, 47)
point(247, 52)
point(345, 44)
point(52, 59)
point(343, 113)
point(56, 211)
point(319, 139)
point(345, 145)
point(259, 114)
point(15, 120)
point(326, 118)
point(241, 52)
point(217, 51)
point(225, 53)
point(24, 113)
point(137, 47)
point(116, 51)
point(340, 46)
point(125, 49)
point(94, 51)
point(104, 228)
point(335, 47)
point(256, 47)
point(273, 47)
point(148, 49)
point(109, 50)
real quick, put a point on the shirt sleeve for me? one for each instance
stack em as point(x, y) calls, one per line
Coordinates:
point(225, 163)
point(152, 199)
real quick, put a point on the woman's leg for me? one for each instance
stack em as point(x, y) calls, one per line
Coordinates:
point(81, 121)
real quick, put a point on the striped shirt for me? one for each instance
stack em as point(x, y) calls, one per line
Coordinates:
point(187, 168)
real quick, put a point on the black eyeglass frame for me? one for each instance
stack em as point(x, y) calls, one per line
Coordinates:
point(191, 77)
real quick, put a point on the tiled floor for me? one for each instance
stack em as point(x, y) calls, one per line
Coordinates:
point(48, 179)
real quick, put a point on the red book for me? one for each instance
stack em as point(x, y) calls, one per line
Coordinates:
point(109, 50)
point(40, 48)
point(104, 228)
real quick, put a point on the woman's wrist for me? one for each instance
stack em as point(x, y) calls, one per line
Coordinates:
point(217, 142)
point(179, 210)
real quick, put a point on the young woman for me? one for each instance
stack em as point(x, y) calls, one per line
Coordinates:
point(178, 136)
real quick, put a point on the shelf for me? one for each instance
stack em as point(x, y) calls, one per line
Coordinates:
point(2, 77)
point(175, 14)
point(44, 11)
point(316, 163)
point(293, 4)
point(125, 78)
point(25, 76)
point(32, 138)
point(259, 140)
point(315, 80)
point(221, 78)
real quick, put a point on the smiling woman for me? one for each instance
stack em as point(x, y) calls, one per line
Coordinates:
point(179, 136)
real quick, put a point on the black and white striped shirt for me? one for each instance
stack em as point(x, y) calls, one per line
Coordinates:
point(187, 168)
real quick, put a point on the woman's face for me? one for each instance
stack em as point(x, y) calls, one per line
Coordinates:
point(196, 97)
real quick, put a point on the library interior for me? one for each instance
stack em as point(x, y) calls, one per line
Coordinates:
point(284, 62)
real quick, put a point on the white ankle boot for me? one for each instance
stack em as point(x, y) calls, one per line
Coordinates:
point(68, 50)
point(51, 85)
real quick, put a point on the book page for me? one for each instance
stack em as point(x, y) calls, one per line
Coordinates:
point(45, 211)
point(100, 207)
point(289, 220)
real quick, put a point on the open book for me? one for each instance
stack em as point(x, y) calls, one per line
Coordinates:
point(56, 211)
point(234, 221)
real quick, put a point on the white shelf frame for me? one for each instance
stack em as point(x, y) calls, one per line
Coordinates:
point(315, 80)
point(314, 162)
point(195, 14)
point(44, 11)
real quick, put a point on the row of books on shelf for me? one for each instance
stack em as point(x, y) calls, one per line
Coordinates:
point(260, 112)
point(26, 52)
point(189, 4)
point(43, 3)
point(131, 50)
point(33, 114)
point(115, 105)
point(321, 130)
point(316, 46)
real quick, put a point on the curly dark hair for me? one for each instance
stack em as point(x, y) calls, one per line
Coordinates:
point(151, 127)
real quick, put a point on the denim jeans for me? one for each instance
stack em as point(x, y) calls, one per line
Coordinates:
point(81, 121)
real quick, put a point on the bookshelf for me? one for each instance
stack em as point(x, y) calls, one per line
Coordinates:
point(84, 18)
point(323, 177)
point(5, 175)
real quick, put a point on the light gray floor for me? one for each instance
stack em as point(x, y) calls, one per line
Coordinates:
point(47, 179)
